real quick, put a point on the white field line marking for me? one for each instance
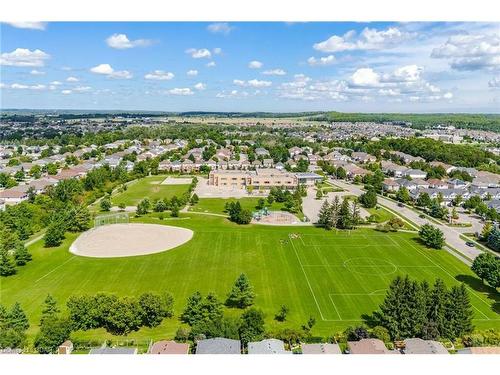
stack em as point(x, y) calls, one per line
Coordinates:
point(450, 275)
point(335, 306)
point(305, 275)
point(59, 266)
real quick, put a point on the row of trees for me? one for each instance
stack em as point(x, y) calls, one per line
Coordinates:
point(119, 315)
point(414, 309)
point(339, 215)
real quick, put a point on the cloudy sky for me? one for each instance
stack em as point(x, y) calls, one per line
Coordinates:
point(393, 67)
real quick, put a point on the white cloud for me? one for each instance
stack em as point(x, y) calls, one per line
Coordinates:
point(107, 70)
point(255, 64)
point(199, 53)
point(470, 52)
point(211, 64)
point(200, 86)
point(66, 92)
point(181, 91)
point(192, 73)
point(24, 57)
point(82, 88)
point(56, 83)
point(274, 72)
point(219, 28)
point(322, 61)
point(121, 41)
point(494, 82)
point(252, 83)
point(232, 94)
point(37, 72)
point(369, 39)
point(19, 86)
point(367, 84)
point(72, 79)
point(217, 51)
point(29, 25)
point(365, 77)
point(160, 75)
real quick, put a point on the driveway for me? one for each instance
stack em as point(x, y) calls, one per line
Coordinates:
point(452, 235)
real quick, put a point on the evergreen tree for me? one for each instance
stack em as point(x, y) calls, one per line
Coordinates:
point(424, 200)
point(241, 295)
point(368, 199)
point(355, 216)
point(494, 239)
point(344, 220)
point(192, 311)
point(319, 193)
point(21, 255)
point(50, 309)
point(458, 313)
point(436, 309)
point(17, 318)
point(7, 267)
point(325, 216)
point(105, 204)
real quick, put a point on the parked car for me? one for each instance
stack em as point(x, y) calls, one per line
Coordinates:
point(470, 244)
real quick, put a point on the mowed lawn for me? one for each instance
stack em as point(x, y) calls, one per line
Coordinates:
point(336, 277)
point(149, 187)
point(216, 205)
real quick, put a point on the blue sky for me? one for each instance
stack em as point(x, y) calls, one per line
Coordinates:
point(394, 67)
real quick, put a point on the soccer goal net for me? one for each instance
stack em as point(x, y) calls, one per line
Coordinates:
point(117, 218)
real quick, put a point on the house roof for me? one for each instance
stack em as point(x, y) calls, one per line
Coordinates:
point(369, 346)
point(218, 345)
point(169, 347)
point(269, 346)
point(113, 351)
point(321, 349)
point(419, 346)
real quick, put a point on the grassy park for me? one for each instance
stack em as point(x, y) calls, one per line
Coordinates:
point(150, 187)
point(216, 205)
point(337, 277)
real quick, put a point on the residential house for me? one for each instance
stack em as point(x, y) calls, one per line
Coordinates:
point(406, 158)
point(269, 346)
point(260, 151)
point(218, 345)
point(308, 179)
point(414, 173)
point(419, 346)
point(390, 185)
point(65, 348)
point(392, 169)
point(354, 171)
point(447, 167)
point(363, 157)
point(369, 346)
point(435, 183)
point(169, 347)
point(15, 194)
point(294, 151)
point(321, 349)
point(107, 350)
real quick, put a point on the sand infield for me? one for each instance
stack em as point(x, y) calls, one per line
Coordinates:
point(124, 240)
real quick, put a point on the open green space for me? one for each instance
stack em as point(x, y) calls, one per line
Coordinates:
point(149, 187)
point(336, 276)
point(216, 205)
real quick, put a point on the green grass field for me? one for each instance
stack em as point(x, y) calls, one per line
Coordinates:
point(216, 205)
point(336, 277)
point(148, 187)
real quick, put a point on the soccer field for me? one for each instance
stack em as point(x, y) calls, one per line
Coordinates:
point(337, 277)
point(348, 273)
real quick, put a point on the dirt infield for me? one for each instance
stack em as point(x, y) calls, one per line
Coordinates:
point(177, 181)
point(123, 240)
